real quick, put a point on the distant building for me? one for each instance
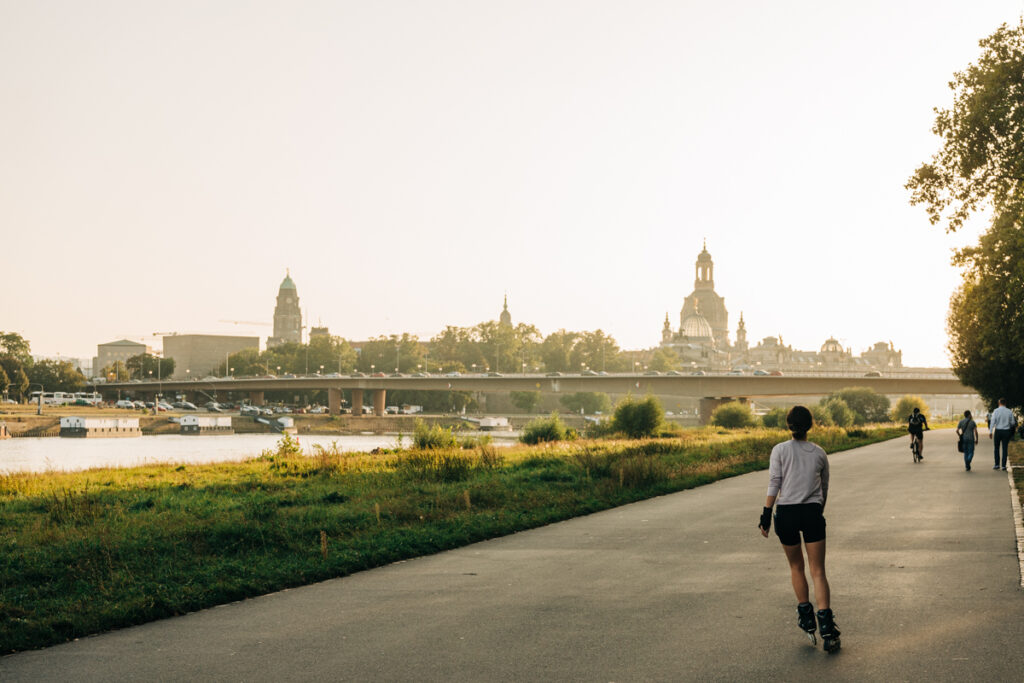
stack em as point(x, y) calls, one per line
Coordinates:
point(287, 315)
point(319, 332)
point(505, 318)
point(702, 339)
point(111, 352)
point(197, 355)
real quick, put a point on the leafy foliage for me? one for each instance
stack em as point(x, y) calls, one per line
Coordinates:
point(638, 419)
point(526, 401)
point(905, 406)
point(775, 418)
point(148, 366)
point(545, 429)
point(56, 376)
point(979, 164)
point(426, 436)
point(981, 159)
point(733, 415)
point(839, 411)
point(867, 404)
point(589, 402)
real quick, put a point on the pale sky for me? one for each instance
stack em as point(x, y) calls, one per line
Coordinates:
point(163, 163)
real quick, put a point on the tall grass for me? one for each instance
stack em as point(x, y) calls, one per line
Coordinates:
point(89, 551)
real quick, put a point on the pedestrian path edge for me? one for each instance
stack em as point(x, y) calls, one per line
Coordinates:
point(1018, 520)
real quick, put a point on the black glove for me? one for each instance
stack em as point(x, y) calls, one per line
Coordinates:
point(766, 520)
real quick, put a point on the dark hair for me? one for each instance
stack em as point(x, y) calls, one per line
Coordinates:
point(1002, 401)
point(967, 413)
point(799, 421)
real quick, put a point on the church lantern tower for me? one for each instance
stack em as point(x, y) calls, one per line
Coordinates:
point(704, 301)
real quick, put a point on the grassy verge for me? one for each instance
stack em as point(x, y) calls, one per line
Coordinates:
point(91, 551)
point(1016, 458)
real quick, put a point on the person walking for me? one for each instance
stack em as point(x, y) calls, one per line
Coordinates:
point(967, 432)
point(798, 479)
point(1000, 430)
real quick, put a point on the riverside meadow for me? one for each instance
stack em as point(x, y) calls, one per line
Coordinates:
point(89, 551)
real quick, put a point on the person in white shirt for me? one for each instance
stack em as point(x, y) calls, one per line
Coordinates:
point(1000, 430)
point(798, 478)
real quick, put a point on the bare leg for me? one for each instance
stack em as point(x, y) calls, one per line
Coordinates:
point(795, 556)
point(816, 558)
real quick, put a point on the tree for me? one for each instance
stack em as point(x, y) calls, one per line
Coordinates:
point(526, 401)
point(733, 415)
point(18, 380)
point(556, 350)
point(905, 406)
point(986, 315)
point(56, 376)
point(867, 404)
point(588, 402)
point(981, 159)
point(638, 419)
point(13, 345)
point(980, 163)
point(664, 360)
point(147, 366)
point(4, 381)
point(116, 372)
point(385, 354)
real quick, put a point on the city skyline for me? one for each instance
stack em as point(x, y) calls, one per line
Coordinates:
point(161, 166)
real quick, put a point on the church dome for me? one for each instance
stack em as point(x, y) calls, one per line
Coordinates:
point(696, 326)
point(831, 345)
point(287, 282)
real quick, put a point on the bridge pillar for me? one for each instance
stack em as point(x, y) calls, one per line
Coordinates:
point(256, 398)
point(357, 402)
point(708, 405)
point(379, 398)
point(334, 401)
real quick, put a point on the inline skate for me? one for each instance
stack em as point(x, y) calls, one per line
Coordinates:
point(828, 630)
point(805, 619)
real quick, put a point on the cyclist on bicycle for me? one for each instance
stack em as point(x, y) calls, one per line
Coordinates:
point(916, 424)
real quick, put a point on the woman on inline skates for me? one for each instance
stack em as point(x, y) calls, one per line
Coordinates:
point(798, 485)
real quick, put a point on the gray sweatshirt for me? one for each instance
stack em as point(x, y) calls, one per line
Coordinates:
point(798, 473)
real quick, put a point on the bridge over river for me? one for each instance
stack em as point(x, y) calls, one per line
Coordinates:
point(711, 389)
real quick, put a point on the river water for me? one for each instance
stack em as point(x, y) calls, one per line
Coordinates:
point(42, 454)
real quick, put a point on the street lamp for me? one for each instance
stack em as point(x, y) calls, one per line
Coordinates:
point(321, 369)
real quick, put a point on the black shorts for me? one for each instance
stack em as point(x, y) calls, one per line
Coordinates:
point(790, 520)
point(918, 432)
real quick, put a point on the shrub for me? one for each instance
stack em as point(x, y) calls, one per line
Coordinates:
point(867, 404)
point(837, 409)
point(638, 419)
point(822, 417)
point(905, 406)
point(544, 429)
point(775, 418)
point(427, 437)
point(733, 415)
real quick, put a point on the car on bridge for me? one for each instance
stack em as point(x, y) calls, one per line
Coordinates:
point(760, 373)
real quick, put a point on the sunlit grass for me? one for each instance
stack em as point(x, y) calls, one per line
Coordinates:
point(82, 552)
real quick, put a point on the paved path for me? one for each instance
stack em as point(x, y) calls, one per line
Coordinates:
point(922, 560)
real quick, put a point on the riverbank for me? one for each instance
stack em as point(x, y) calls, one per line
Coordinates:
point(26, 423)
point(90, 551)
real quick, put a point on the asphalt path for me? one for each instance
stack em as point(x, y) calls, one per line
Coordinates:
point(922, 560)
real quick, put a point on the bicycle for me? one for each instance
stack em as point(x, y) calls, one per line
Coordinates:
point(915, 447)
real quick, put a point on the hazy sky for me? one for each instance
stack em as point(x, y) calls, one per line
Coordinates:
point(162, 163)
